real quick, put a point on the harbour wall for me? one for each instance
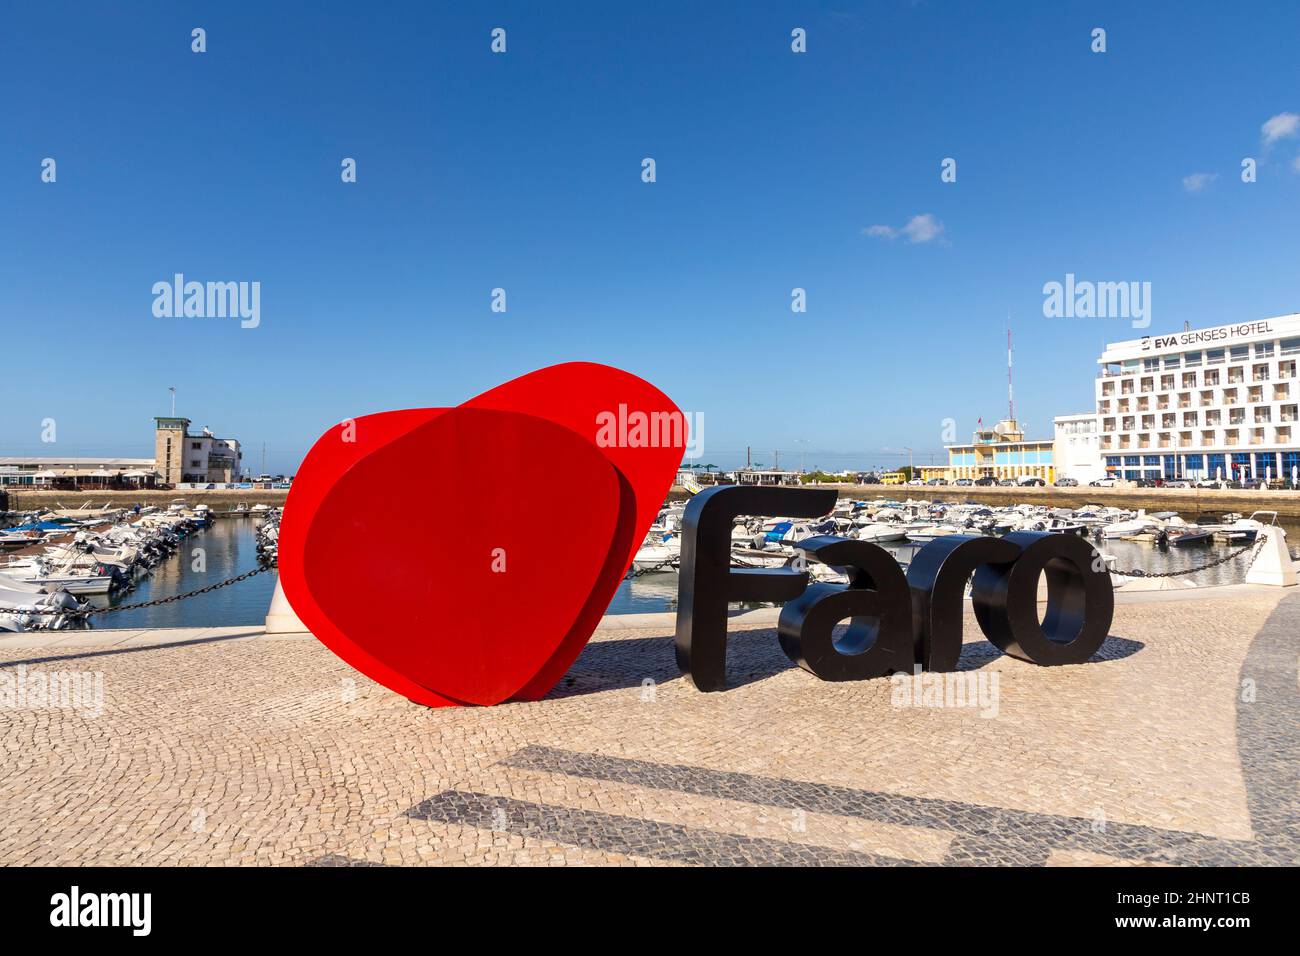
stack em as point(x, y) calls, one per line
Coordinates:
point(16, 499)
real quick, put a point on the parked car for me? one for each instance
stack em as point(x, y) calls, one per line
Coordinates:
point(964, 482)
point(1149, 482)
point(1249, 484)
point(1029, 481)
point(986, 481)
point(937, 481)
point(1103, 483)
point(1007, 483)
point(1066, 483)
point(917, 481)
point(1210, 483)
point(1178, 483)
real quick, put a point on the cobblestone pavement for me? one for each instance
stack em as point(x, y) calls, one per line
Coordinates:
point(1179, 743)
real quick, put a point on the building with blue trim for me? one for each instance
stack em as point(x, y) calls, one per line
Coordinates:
point(1207, 403)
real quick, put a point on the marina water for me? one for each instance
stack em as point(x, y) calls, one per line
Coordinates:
point(229, 547)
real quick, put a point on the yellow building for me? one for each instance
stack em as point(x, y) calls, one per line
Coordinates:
point(1002, 452)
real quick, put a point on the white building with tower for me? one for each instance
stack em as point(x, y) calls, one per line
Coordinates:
point(1204, 403)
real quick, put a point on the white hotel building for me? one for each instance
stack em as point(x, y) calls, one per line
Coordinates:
point(1203, 403)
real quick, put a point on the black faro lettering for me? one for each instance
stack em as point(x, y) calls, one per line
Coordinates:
point(897, 622)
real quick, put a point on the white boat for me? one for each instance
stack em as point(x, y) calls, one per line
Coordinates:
point(33, 573)
point(1129, 528)
point(1245, 530)
point(880, 532)
point(933, 531)
point(658, 552)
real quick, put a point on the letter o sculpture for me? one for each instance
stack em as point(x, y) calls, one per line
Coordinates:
point(1080, 600)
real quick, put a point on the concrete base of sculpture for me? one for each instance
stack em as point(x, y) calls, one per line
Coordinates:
point(1273, 564)
point(280, 617)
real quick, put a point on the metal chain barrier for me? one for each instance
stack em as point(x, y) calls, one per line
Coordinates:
point(1224, 559)
point(88, 611)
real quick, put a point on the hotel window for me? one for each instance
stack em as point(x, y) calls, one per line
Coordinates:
point(1148, 384)
point(1286, 369)
point(1192, 360)
point(1103, 406)
point(1291, 346)
point(1212, 377)
point(1108, 425)
point(1173, 361)
point(1230, 396)
point(1287, 413)
point(1214, 357)
point(1256, 394)
point(1121, 405)
point(1230, 437)
point(1189, 380)
point(1236, 374)
point(1184, 399)
point(1213, 417)
point(1236, 416)
point(1144, 404)
point(1264, 413)
point(1148, 422)
point(1257, 436)
point(1108, 388)
point(1260, 373)
point(1126, 386)
point(1150, 364)
point(1168, 421)
point(1166, 383)
point(1207, 438)
point(1190, 418)
point(1239, 353)
point(1128, 424)
point(1263, 350)
point(1207, 398)
point(1184, 439)
point(1281, 392)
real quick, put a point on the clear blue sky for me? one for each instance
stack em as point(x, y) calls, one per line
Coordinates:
point(522, 171)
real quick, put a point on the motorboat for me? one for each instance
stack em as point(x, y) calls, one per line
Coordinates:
point(1181, 537)
point(658, 552)
point(880, 532)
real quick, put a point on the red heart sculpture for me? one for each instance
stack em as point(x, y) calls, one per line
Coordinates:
point(454, 644)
